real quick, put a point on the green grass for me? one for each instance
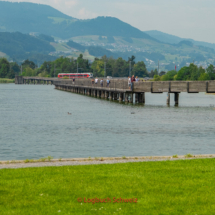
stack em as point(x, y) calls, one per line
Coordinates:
point(60, 46)
point(6, 81)
point(58, 20)
point(169, 187)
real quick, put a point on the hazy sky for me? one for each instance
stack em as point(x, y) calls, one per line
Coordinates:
point(185, 18)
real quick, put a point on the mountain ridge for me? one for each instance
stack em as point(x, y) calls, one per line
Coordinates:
point(29, 17)
point(172, 39)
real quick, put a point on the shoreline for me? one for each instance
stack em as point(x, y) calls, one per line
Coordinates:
point(15, 164)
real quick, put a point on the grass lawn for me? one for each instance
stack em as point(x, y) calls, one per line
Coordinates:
point(5, 81)
point(169, 187)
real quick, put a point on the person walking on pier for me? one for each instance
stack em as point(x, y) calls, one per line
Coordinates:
point(129, 82)
point(108, 82)
point(73, 80)
point(132, 80)
point(92, 81)
point(101, 82)
point(96, 80)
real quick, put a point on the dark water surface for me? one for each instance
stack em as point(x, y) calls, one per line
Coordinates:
point(34, 123)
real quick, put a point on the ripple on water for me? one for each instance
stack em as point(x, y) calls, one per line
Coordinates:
point(35, 123)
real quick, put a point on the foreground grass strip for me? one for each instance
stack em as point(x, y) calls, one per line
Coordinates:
point(168, 187)
point(6, 81)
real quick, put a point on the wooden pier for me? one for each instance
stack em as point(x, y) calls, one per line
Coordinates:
point(119, 90)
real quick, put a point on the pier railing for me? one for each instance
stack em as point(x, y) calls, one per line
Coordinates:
point(115, 84)
point(121, 85)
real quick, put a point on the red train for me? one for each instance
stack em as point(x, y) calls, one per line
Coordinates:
point(75, 75)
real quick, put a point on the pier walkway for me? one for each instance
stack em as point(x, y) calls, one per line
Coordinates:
point(119, 90)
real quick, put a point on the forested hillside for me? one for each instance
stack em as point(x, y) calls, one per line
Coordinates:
point(168, 38)
point(28, 17)
point(22, 46)
point(16, 43)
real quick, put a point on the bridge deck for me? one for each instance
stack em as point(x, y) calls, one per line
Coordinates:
point(121, 85)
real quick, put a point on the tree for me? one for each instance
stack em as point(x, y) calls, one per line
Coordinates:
point(28, 71)
point(194, 72)
point(151, 74)
point(121, 68)
point(183, 74)
point(98, 67)
point(204, 77)
point(140, 69)
point(28, 63)
point(162, 73)
point(157, 78)
point(169, 76)
point(15, 67)
point(211, 72)
point(4, 67)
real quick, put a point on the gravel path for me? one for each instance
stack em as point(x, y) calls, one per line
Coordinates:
point(81, 161)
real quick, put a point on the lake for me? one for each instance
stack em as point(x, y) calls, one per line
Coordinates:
point(34, 123)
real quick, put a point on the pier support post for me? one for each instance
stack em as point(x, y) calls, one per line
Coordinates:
point(120, 97)
point(114, 96)
point(102, 94)
point(168, 99)
point(111, 95)
point(137, 95)
point(126, 98)
point(176, 99)
point(131, 98)
point(141, 98)
point(106, 94)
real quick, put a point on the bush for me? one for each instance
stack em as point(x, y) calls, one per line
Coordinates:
point(157, 78)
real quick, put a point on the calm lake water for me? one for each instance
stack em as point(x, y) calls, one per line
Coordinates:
point(34, 123)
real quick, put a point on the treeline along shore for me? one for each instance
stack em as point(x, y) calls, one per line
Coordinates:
point(101, 67)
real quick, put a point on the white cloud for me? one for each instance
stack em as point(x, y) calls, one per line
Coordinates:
point(85, 14)
point(71, 3)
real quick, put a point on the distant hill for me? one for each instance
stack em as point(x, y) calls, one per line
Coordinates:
point(76, 46)
point(93, 50)
point(171, 39)
point(18, 43)
point(19, 46)
point(29, 17)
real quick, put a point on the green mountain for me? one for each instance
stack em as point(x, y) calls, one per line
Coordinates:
point(93, 37)
point(20, 46)
point(171, 39)
point(29, 17)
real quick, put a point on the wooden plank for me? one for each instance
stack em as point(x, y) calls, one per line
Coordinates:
point(197, 86)
point(142, 86)
point(161, 86)
point(178, 86)
point(211, 86)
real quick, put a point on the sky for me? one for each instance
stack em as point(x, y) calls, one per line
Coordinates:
point(184, 18)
